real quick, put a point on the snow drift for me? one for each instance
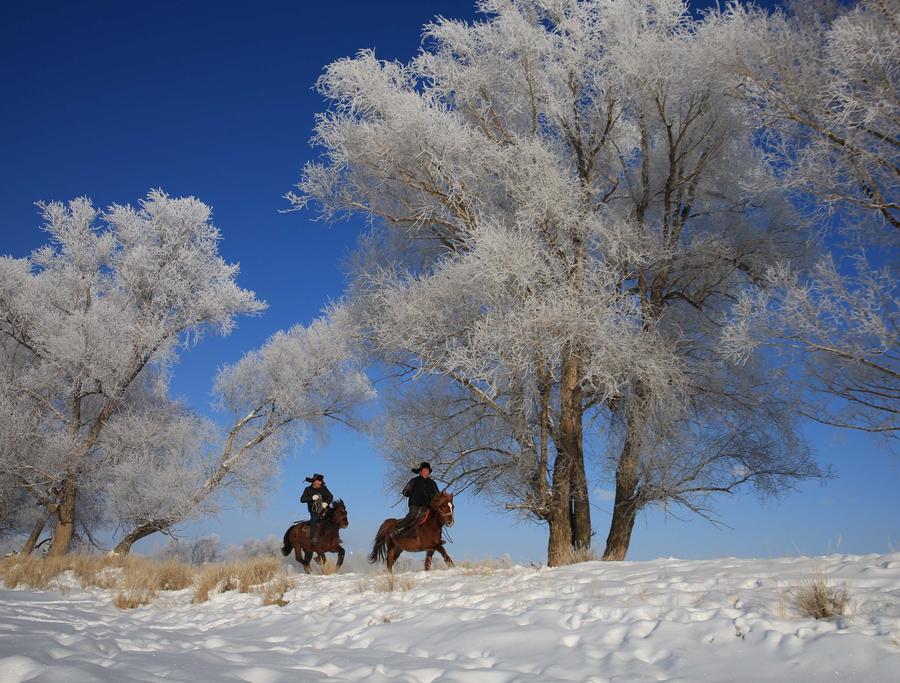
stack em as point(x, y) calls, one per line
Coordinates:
point(664, 620)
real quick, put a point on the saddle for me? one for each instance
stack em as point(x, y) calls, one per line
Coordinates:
point(412, 531)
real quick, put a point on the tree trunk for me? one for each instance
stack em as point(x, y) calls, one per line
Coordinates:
point(569, 447)
point(559, 519)
point(35, 535)
point(581, 504)
point(141, 531)
point(65, 521)
point(559, 544)
point(620, 531)
point(625, 509)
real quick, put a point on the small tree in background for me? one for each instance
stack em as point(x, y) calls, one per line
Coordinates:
point(110, 296)
point(296, 383)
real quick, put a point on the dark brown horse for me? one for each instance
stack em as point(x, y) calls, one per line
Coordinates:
point(297, 537)
point(428, 535)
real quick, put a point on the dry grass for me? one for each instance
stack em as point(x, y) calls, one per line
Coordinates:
point(39, 572)
point(328, 568)
point(173, 575)
point(213, 578)
point(243, 577)
point(386, 582)
point(138, 580)
point(273, 593)
point(481, 568)
point(817, 599)
point(139, 585)
point(572, 555)
point(389, 583)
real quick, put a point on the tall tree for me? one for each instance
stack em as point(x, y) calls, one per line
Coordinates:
point(565, 201)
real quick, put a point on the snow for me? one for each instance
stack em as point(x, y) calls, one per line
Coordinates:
point(662, 620)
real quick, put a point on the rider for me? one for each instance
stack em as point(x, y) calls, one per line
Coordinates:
point(420, 490)
point(317, 498)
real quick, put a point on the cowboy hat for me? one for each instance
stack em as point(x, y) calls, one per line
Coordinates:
point(422, 466)
point(320, 477)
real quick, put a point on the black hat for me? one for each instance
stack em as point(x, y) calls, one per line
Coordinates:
point(316, 476)
point(422, 466)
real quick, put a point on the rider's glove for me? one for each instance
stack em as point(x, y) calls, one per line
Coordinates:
point(316, 497)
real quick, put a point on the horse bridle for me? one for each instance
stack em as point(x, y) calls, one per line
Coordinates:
point(444, 515)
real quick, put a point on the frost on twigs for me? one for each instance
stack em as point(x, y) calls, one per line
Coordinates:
point(566, 199)
point(90, 325)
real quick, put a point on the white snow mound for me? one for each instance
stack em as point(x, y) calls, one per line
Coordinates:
point(665, 620)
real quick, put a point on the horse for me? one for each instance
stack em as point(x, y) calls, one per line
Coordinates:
point(428, 538)
point(298, 537)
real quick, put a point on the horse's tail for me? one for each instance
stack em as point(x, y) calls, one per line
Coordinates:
point(286, 550)
point(379, 547)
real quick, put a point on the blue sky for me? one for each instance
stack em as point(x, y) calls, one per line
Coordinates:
point(110, 99)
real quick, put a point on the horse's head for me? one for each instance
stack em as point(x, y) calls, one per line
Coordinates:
point(442, 503)
point(338, 514)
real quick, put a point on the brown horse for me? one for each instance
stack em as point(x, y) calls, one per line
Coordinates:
point(428, 534)
point(298, 537)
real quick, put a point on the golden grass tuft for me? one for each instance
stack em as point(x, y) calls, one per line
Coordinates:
point(213, 578)
point(140, 582)
point(390, 583)
point(243, 577)
point(274, 590)
point(174, 576)
point(817, 599)
point(256, 572)
point(29, 571)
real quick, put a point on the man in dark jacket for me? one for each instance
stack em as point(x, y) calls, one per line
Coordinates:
point(420, 490)
point(317, 498)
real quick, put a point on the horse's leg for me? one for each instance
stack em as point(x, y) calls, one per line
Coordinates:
point(297, 542)
point(340, 552)
point(444, 554)
point(428, 557)
point(307, 558)
point(393, 553)
point(320, 558)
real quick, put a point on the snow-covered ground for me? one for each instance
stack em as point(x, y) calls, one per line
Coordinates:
point(665, 620)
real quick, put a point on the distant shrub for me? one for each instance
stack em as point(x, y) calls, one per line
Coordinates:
point(815, 598)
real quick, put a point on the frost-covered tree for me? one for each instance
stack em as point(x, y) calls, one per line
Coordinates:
point(292, 386)
point(154, 457)
point(566, 199)
point(111, 295)
point(822, 82)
